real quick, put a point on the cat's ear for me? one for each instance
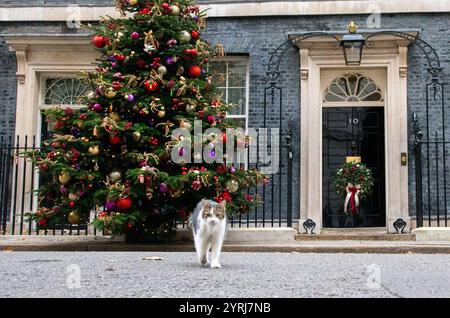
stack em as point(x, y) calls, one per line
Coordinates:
point(223, 204)
point(205, 203)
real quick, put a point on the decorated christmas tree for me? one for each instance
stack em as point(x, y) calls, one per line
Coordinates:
point(124, 157)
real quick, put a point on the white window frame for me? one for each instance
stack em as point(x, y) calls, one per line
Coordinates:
point(246, 59)
point(42, 106)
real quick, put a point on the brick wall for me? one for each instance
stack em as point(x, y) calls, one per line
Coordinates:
point(258, 37)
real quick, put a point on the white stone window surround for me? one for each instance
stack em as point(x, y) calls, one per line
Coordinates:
point(40, 57)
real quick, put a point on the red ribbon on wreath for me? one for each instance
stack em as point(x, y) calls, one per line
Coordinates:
point(352, 198)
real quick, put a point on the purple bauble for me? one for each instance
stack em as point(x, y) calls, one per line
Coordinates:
point(212, 153)
point(75, 131)
point(98, 108)
point(169, 60)
point(129, 97)
point(63, 190)
point(135, 35)
point(163, 187)
point(112, 58)
point(113, 64)
point(110, 205)
point(232, 170)
point(181, 152)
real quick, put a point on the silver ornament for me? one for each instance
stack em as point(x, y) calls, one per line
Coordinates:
point(185, 37)
point(162, 70)
point(190, 108)
point(115, 176)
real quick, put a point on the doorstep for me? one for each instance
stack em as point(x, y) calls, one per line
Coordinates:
point(432, 234)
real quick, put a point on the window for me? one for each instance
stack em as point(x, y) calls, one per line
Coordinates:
point(231, 76)
point(353, 88)
point(63, 91)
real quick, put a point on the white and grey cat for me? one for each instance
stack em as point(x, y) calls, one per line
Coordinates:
point(209, 223)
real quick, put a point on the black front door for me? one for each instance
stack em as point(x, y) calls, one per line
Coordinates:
point(353, 131)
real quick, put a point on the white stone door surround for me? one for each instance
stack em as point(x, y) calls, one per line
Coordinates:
point(386, 62)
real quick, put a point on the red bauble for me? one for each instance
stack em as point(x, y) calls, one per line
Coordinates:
point(194, 71)
point(151, 86)
point(72, 204)
point(114, 140)
point(42, 222)
point(195, 34)
point(226, 196)
point(99, 41)
point(123, 204)
point(191, 52)
point(224, 137)
point(120, 57)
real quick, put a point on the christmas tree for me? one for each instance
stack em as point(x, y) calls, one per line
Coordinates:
point(124, 156)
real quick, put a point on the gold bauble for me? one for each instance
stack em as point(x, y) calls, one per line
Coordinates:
point(190, 108)
point(162, 113)
point(162, 70)
point(94, 150)
point(136, 136)
point(64, 177)
point(73, 197)
point(115, 116)
point(91, 95)
point(133, 2)
point(74, 217)
point(232, 186)
point(175, 10)
point(115, 176)
point(110, 93)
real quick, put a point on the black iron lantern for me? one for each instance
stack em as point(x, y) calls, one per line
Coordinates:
point(352, 44)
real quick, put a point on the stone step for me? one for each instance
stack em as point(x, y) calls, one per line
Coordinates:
point(355, 237)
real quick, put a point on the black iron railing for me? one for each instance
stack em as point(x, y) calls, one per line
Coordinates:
point(19, 181)
point(431, 182)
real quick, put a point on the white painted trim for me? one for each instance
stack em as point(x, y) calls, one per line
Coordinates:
point(278, 8)
point(314, 62)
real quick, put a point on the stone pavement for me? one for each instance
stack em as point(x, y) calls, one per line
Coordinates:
point(90, 243)
point(135, 274)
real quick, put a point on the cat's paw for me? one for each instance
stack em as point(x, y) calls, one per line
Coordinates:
point(203, 261)
point(215, 265)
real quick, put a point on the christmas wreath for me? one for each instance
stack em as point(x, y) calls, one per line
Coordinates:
point(354, 181)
